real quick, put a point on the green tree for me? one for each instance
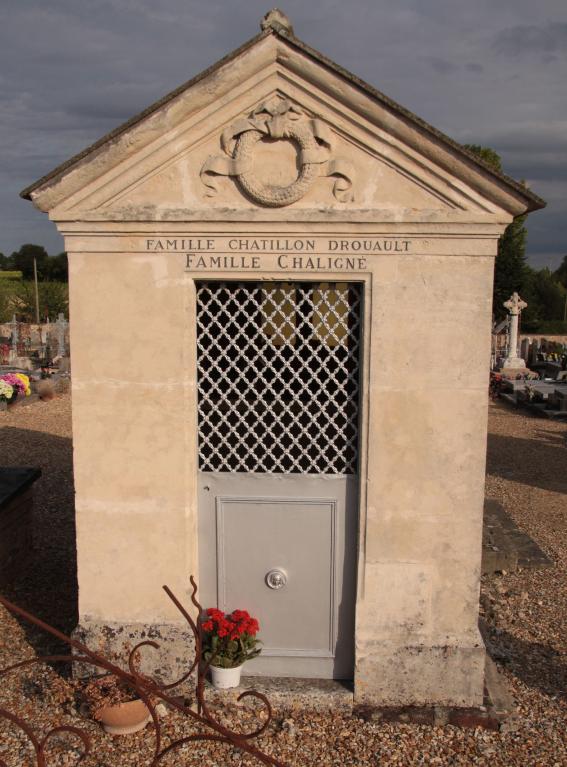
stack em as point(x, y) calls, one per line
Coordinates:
point(56, 268)
point(5, 303)
point(511, 270)
point(24, 257)
point(560, 274)
point(6, 263)
point(53, 298)
point(545, 297)
point(487, 154)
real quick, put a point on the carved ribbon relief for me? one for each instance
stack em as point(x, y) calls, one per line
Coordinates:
point(278, 119)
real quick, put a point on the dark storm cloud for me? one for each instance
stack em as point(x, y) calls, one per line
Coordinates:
point(441, 66)
point(483, 72)
point(547, 39)
point(474, 67)
point(534, 152)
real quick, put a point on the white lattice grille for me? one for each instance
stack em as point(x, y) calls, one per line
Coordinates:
point(278, 370)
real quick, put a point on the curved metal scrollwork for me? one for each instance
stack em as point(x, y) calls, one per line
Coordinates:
point(148, 690)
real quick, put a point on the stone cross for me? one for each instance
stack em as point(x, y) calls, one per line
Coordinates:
point(14, 329)
point(514, 305)
point(61, 328)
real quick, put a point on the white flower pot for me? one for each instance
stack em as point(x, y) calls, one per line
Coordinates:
point(224, 678)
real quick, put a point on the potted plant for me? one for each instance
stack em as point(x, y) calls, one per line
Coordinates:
point(115, 705)
point(228, 641)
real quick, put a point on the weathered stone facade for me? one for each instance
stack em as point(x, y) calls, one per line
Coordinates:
point(276, 164)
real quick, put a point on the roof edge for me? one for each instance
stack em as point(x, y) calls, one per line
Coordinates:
point(60, 169)
point(533, 201)
point(392, 105)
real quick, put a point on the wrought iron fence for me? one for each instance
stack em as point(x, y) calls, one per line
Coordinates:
point(148, 690)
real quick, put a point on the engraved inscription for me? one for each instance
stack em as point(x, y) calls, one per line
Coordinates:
point(283, 261)
point(318, 253)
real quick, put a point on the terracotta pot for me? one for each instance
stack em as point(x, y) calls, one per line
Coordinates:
point(125, 718)
point(224, 678)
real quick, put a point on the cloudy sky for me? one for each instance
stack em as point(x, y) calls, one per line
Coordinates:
point(492, 72)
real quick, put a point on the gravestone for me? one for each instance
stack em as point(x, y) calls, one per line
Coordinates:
point(514, 306)
point(525, 349)
point(61, 325)
point(514, 366)
point(14, 339)
point(311, 439)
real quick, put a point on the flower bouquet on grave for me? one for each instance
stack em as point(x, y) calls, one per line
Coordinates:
point(6, 393)
point(19, 383)
point(228, 641)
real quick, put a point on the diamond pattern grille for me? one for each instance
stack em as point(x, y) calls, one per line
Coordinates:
point(278, 376)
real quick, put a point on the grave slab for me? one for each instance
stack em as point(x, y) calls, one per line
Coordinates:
point(16, 519)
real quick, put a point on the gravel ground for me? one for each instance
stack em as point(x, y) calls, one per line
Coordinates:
point(525, 613)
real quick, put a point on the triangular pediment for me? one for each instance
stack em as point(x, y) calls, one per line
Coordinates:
point(274, 134)
point(342, 165)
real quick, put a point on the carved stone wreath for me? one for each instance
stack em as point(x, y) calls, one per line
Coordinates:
point(277, 120)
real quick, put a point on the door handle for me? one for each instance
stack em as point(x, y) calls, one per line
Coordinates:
point(276, 579)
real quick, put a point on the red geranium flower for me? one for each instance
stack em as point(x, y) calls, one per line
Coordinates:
point(239, 615)
point(252, 627)
point(229, 639)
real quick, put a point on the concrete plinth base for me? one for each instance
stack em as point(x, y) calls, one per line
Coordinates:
point(290, 696)
point(497, 708)
point(115, 641)
point(515, 373)
point(420, 675)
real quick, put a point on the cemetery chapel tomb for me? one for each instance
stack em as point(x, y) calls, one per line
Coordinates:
point(280, 295)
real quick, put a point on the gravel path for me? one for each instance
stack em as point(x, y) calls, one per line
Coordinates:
point(525, 614)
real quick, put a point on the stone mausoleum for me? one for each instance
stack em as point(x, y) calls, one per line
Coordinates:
point(280, 286)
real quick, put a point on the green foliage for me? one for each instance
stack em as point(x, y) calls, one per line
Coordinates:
point(19, 298)
point(5, 294)
point(23, 259)
point(56, 268)
point(548, 327)
point(17, 295)
point(229, 640)
point(49, 268)
point(489, 156)
point(510, 268)
point(560, 274)
point(546, 298)
point(6, 263)
point(230, 653)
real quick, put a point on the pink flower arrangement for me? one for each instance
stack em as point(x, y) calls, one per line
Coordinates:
point(19, 382)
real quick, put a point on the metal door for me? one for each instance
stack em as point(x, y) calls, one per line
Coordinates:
point(278, 386)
